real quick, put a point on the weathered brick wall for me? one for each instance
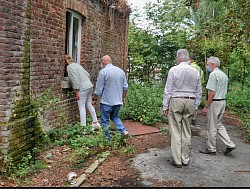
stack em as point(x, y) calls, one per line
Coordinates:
point(107, 33)
point(32, 43)
point(16, 123)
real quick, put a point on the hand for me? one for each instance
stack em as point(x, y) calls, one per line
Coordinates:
point(94, 102)
point(204, 111)
point(77, 97)
point(195, 113)
point(124, 100)
point(165, 112)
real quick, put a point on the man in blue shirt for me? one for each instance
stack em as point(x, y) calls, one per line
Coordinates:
point(111, 87)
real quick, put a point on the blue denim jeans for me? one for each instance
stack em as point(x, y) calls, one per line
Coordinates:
point(110, 112)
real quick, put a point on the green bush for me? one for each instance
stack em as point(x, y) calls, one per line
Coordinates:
point(143, 103)
point(239, 101)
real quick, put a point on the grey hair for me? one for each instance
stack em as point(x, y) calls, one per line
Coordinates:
point(182, 55)
point(214, 60)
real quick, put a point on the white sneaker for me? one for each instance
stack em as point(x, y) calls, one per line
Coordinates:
point(125, 133)
point(95, 126)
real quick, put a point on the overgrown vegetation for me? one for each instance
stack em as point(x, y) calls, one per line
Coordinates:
point(239, 101)
point(144, 103)
point(83, 142)
point(206, 28)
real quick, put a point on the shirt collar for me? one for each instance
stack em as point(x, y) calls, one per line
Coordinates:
point(184, 63)
point(108, 65)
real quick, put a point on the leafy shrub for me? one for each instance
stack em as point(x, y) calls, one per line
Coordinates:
point(143, 103)
point(239, 101)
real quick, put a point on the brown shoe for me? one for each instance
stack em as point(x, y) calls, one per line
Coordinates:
point(206, 151)
point(171, 161)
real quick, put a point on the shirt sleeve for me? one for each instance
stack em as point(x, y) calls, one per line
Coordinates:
point(168, 91)
point(73, 78)
point(100, 83)
point(211, 83)
point(125, 85)
point(198, 94)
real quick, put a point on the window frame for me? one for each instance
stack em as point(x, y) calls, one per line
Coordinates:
point(69, 35)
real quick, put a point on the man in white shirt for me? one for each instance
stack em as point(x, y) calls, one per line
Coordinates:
point(182, 96)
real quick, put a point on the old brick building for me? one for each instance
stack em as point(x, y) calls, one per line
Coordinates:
point(34, 36)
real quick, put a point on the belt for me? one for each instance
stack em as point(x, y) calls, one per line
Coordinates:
point(185, 97)
point(218, 99)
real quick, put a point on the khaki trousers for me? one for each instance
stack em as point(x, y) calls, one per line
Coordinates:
point(179, 117)
point(215, 114)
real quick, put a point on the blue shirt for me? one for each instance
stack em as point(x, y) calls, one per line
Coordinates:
point(111, 82)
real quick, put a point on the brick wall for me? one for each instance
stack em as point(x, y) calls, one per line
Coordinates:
point(32, 43)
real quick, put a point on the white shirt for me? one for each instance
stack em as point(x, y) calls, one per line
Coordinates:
point(184, 81)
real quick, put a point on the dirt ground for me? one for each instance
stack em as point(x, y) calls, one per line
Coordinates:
point(115, 171)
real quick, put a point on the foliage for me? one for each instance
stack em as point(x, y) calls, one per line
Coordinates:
point(83, 141)
point(239, 101)
point(222, 30)
point(152, 49)
point(144, 103)
point(206, 28)
point(87, 142)
point(24, 167)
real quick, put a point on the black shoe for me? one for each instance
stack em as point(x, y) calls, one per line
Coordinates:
point(174, 164)
point(228, 150)
point(206, 151)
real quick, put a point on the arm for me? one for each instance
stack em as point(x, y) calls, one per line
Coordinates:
point(74, 80)
point(124, 96)
point(125, 88)
point(99, 87)
point(198, 94)
point(168, 91)
point(77, 96)
point(209, 101)
point(211, 86)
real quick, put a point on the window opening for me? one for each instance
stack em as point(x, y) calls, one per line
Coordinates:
point(73, 36)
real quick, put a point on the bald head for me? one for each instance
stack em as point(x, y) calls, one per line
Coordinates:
point(106, 60)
